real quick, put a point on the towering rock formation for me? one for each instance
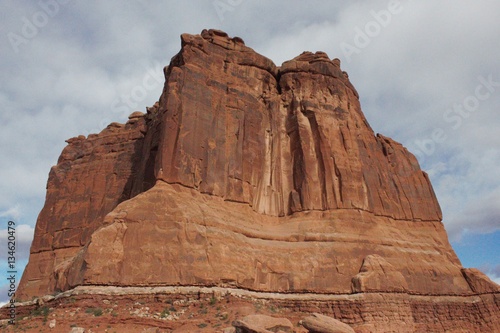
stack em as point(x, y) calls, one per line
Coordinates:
point(248, 175)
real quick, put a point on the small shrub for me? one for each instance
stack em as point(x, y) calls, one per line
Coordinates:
point(213, 300)
point(40, 311)
point(202, 325)
point(95, 311)
point(43, 311)
point(258, 306)
point(165, 313)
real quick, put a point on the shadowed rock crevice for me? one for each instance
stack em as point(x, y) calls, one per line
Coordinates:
point(316, 138)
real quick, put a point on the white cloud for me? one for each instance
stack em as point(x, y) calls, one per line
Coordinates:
point(493, 272)
point(13, 213)
point(469, 192)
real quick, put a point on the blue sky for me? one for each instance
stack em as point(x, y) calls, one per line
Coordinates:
point(427, 73)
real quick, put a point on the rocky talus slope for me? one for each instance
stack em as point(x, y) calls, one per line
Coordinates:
point(259, 179)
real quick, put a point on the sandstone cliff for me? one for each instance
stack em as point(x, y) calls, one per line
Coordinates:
point(248, 175)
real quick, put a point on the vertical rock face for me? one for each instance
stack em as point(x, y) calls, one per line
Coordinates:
point(245, 175)
point(283, 139)
point(216, 109)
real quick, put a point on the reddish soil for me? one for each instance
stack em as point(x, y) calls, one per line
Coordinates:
point(158, 314)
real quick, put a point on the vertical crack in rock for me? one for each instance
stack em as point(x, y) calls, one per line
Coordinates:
point(297, 154)
point(316, 136)
point(338, 187)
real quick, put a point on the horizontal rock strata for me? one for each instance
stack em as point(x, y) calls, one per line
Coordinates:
point(364, 312)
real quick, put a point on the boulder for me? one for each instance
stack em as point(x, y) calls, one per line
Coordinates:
point(259, 323)
point(376, 274)
point(318, 323)
point(77, 330)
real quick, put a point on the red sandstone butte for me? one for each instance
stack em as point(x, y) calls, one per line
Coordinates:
point(262, 178)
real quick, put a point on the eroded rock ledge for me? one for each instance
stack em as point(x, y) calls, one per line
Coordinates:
point(364, 312)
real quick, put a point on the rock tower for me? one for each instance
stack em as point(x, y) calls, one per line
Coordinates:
point(251, 176)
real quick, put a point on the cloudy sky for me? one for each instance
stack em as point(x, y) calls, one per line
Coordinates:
point(427, 72)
